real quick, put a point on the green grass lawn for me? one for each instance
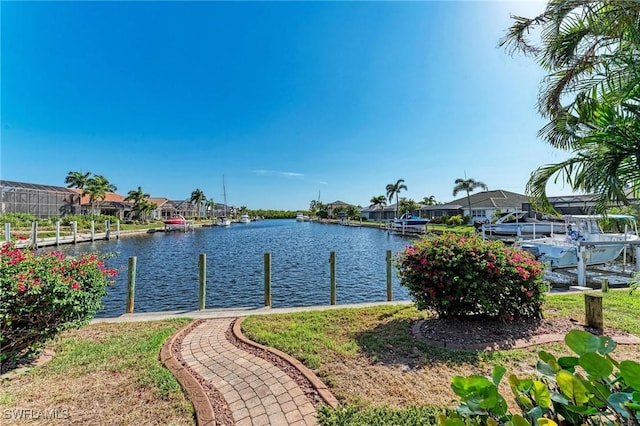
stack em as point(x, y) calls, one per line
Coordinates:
point(104, 374)
point(376, 369)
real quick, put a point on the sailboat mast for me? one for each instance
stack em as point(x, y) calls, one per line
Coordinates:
point(224, 193)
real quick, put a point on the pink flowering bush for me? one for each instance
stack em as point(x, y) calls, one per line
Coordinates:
point(460, 276)
point(43, 294)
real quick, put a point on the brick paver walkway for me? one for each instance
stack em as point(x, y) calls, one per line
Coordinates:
point(256, 391)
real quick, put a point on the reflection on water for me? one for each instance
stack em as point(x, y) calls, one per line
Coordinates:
point(167, 266)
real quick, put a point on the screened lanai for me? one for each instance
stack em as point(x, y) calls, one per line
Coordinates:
point(42, 201)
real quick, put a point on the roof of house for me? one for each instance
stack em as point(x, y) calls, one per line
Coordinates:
point(158, 201)
point(24, 185)
point(109, 197)
point(338, 203)
point(492, 199)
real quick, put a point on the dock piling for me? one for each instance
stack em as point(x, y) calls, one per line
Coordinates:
point(267, 279)
point(332, 263)
point(131, 284)
point(389, 290)
point(202, 267)
point(7, 232)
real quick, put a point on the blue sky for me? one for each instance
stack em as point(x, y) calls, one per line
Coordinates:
point(287, 100)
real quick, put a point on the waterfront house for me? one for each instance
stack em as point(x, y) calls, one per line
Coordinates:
point(336, 205)
point(484, 205)
point(112, 205)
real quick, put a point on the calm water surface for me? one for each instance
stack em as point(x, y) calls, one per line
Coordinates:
point(167, 266)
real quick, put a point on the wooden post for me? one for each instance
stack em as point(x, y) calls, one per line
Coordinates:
point(107, 229)
point(57, 233)
point(267, 280)
point(117, 230)
point(389, 292)
point(202, 267)
point(7, 232)
point(332, 266)
point(593, 310)
point(93, 229)
point(582, 268)
point(34, 235)
point(131, 284)
point(74, 227)
point(605, 285)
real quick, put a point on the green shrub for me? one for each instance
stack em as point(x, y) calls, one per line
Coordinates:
point(459, 275)
point(17, 219)
point(43, 295)
point(455, 220)
point(590, 388)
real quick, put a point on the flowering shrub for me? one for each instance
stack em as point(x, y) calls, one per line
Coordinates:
point(41, 295)
point(459, 275)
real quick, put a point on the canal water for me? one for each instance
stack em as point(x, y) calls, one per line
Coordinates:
point(167, 266)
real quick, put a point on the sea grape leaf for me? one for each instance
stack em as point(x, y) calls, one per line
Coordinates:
point(568, 362)
point(541, 395)
point(596, 365)
point(582, 342)
point(618, 400)
point(498, 373)
point(546, 422)
point(630, 372)
point(518, 420)
point(465, 386)
point(572, 387)
point(607, 345)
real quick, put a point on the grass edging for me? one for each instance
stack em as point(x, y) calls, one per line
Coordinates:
point(197, 395)
point(318, 384)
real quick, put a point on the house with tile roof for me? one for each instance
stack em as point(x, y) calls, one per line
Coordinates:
point(112, 205)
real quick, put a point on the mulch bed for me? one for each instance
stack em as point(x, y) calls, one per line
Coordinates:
point(484, 334)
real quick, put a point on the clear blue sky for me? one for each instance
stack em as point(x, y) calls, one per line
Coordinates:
point(285, 99)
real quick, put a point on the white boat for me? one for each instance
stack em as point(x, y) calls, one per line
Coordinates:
point(223, 221)
point(518, 224)
point(244, 218)
point(563, 250)
point(299, 217)
point(408, 221)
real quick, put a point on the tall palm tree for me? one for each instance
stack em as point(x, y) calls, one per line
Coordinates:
point(590, 96)
point(139, 199)
point(393, 189)
point(468, 186)
point(198, 198)
point(378, 202)
point(97, 188)
point(77, 180)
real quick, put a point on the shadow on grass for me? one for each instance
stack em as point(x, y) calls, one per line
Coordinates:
point(392, 342)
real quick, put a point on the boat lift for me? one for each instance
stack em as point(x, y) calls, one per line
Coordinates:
point(582, 249)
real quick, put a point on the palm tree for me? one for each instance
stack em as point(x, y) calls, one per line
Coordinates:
point(77, 180)
point(407, 205)
point(429, 201)
point(198, 198)
point(210, 206)
point(139, 199)
point(393, 189)
point(378, 202)
point(590, 95)
point(97, 188)
point(468, 185)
